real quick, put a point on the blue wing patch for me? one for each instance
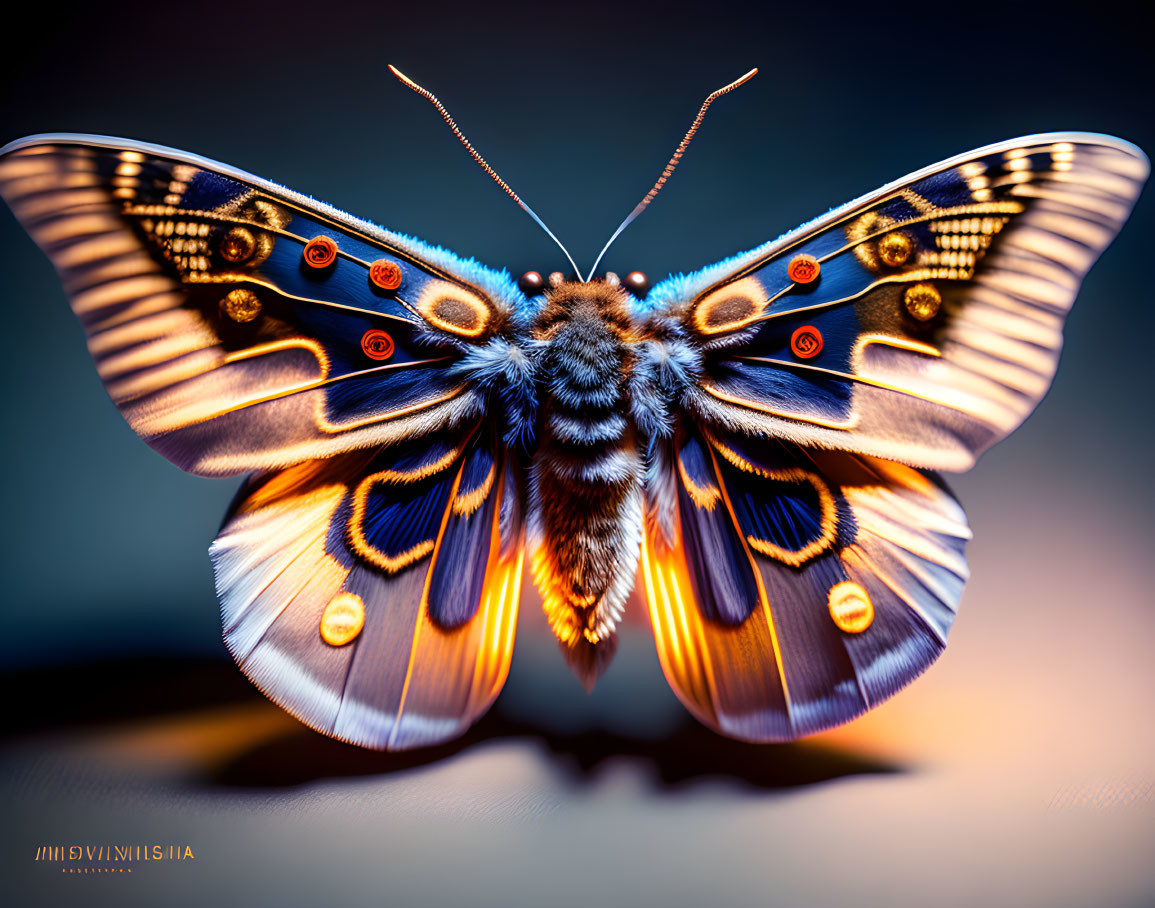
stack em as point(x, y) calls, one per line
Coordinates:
point(374, 594)
point(921, 322)
point(239, 325)
point(841, 575)
point(469, 542)
point(720, 572)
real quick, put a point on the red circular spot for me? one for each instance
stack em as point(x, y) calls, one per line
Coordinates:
point(377, 344)
point(806, 342)
point(320, 252)
point(803, 269)
point(385, 274)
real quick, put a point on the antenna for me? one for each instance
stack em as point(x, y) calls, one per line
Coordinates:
point(672, 163)
point(425, 93)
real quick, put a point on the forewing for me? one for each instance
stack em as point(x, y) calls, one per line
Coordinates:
point(920, 323)
point(793, 589)
point(374, 595)
point(229, 342)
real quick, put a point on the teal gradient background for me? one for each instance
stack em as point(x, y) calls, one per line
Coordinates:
point(1018, 771)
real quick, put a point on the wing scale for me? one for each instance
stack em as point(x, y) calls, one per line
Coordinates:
point(226, 341)
point(405, 549)
point(920, 323)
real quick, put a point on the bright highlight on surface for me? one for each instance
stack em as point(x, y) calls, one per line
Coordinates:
point(850, 607)
point(342, 619)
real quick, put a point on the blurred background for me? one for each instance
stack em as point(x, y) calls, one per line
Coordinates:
point(1018, 771)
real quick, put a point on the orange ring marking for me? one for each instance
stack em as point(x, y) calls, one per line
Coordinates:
point(320, 252)
point(803, 269)
point(806, 342)
point(376, 344)
point(385, 274)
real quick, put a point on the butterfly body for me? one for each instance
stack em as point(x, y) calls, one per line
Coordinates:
point(585, 505)
point(754, 443)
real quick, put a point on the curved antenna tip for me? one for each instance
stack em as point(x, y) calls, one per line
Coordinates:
point(432, 99)
point(401, 76)
point(741, 80)
point(672, 163)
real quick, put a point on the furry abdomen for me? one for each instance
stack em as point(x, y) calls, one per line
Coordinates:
point(585, 508)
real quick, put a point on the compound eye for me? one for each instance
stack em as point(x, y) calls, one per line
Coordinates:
point(637, 283)
point(531, 283)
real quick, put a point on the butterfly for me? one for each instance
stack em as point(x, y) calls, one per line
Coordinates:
point(756, 441)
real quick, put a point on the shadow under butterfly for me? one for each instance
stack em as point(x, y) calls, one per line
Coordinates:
point(195, 724)
point(754, 439)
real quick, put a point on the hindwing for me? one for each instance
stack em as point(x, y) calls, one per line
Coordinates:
point(799, 587)
point(374, 594)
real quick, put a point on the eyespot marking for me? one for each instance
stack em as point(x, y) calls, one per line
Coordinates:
point(385, 274)
point(922, 301)
point(241, 305)
point(730, 307)
point(803, 269)
point(320, 252)
point(454, 309)
point(895, 248)
point(377, 344)
point(238, 245)
point(806, 342)
point(342, 619)
point(850, 607)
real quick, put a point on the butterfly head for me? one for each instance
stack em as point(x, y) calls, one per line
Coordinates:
point(533, 284)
